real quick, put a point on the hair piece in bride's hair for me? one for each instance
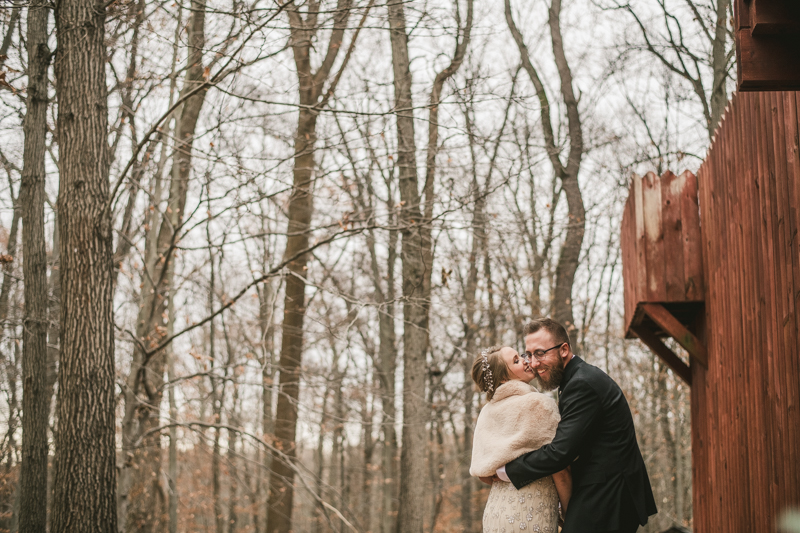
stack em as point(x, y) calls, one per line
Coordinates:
point(487, 372)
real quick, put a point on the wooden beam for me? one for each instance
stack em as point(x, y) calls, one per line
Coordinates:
point(652, 341)
point(678, 331)
point(769, 63)
point(767, 35)
point(774, 17)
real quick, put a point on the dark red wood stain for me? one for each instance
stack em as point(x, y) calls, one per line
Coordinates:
point(732, 243)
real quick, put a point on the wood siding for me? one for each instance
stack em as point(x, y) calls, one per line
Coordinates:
point(745, 417)
point(662, 258)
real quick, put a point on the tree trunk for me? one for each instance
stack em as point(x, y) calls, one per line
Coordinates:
point(415, 316)
point(172, 454)
point(141, 472)
point(172, 461)
point(35, 400)
point(217, 388)
point(54, 313)
point(266, 300)
point(387, 373)
point(471, 328)
point(16, 13)
point(10, 491)
point(124, 241)
point(7, 491)
point(569, 257)
point(339, 480)
point(84, 480)
point(428, 190)
point(319, 510)
point(8, 268)
point(368, 448)
point(301, 205)
point(385, 366)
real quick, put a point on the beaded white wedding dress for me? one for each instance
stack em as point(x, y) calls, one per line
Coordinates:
point(534, 508)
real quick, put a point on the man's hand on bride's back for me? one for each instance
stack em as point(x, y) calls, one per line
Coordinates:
point(490, 480)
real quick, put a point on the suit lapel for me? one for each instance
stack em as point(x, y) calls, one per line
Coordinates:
point(569, 371)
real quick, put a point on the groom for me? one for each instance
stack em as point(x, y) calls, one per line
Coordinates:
point(611, 491)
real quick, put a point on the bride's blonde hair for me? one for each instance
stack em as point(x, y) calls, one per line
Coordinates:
point(489, 370)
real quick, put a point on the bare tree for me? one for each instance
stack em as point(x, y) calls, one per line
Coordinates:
point(480, 241)
point(706, 66)
point(35, 397)
point(313, 97)
point(84, 477)
point(236, 150)
point(383, 281)
point(142, 505)
point(567, 173)
point(415, 308)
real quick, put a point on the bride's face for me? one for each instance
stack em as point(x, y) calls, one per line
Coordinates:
point(517, 368)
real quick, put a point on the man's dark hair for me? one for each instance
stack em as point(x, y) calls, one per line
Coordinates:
point(555, 329)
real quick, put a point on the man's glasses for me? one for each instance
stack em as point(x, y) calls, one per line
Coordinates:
point(539, 354)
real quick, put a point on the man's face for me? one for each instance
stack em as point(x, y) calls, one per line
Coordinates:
point(550, 369)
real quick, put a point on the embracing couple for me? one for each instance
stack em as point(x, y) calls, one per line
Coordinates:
point(581, 453)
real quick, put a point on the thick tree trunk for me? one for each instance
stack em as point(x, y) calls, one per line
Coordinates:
point(144, 505)
point(84, 479)
point(35, 400)
point(415, 315)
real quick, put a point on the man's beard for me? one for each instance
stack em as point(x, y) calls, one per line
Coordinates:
point(555, 372)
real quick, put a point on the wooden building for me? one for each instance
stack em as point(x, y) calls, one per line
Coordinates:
point(713, 261)
point(767, 35)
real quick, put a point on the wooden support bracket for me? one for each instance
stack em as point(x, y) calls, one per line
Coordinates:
point(678, 331)
point(652, 341)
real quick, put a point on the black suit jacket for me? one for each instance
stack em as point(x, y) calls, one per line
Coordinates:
point(596, 437)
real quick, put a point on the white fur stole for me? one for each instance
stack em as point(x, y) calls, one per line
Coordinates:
point(516, 420)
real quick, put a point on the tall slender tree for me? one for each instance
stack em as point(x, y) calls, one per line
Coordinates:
point(140, 478)
point(567, 173)
point(35, 397)
point(313, 96)
point(84, 476)
point(415, 308)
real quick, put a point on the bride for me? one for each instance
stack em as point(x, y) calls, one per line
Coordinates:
point(516, 420)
